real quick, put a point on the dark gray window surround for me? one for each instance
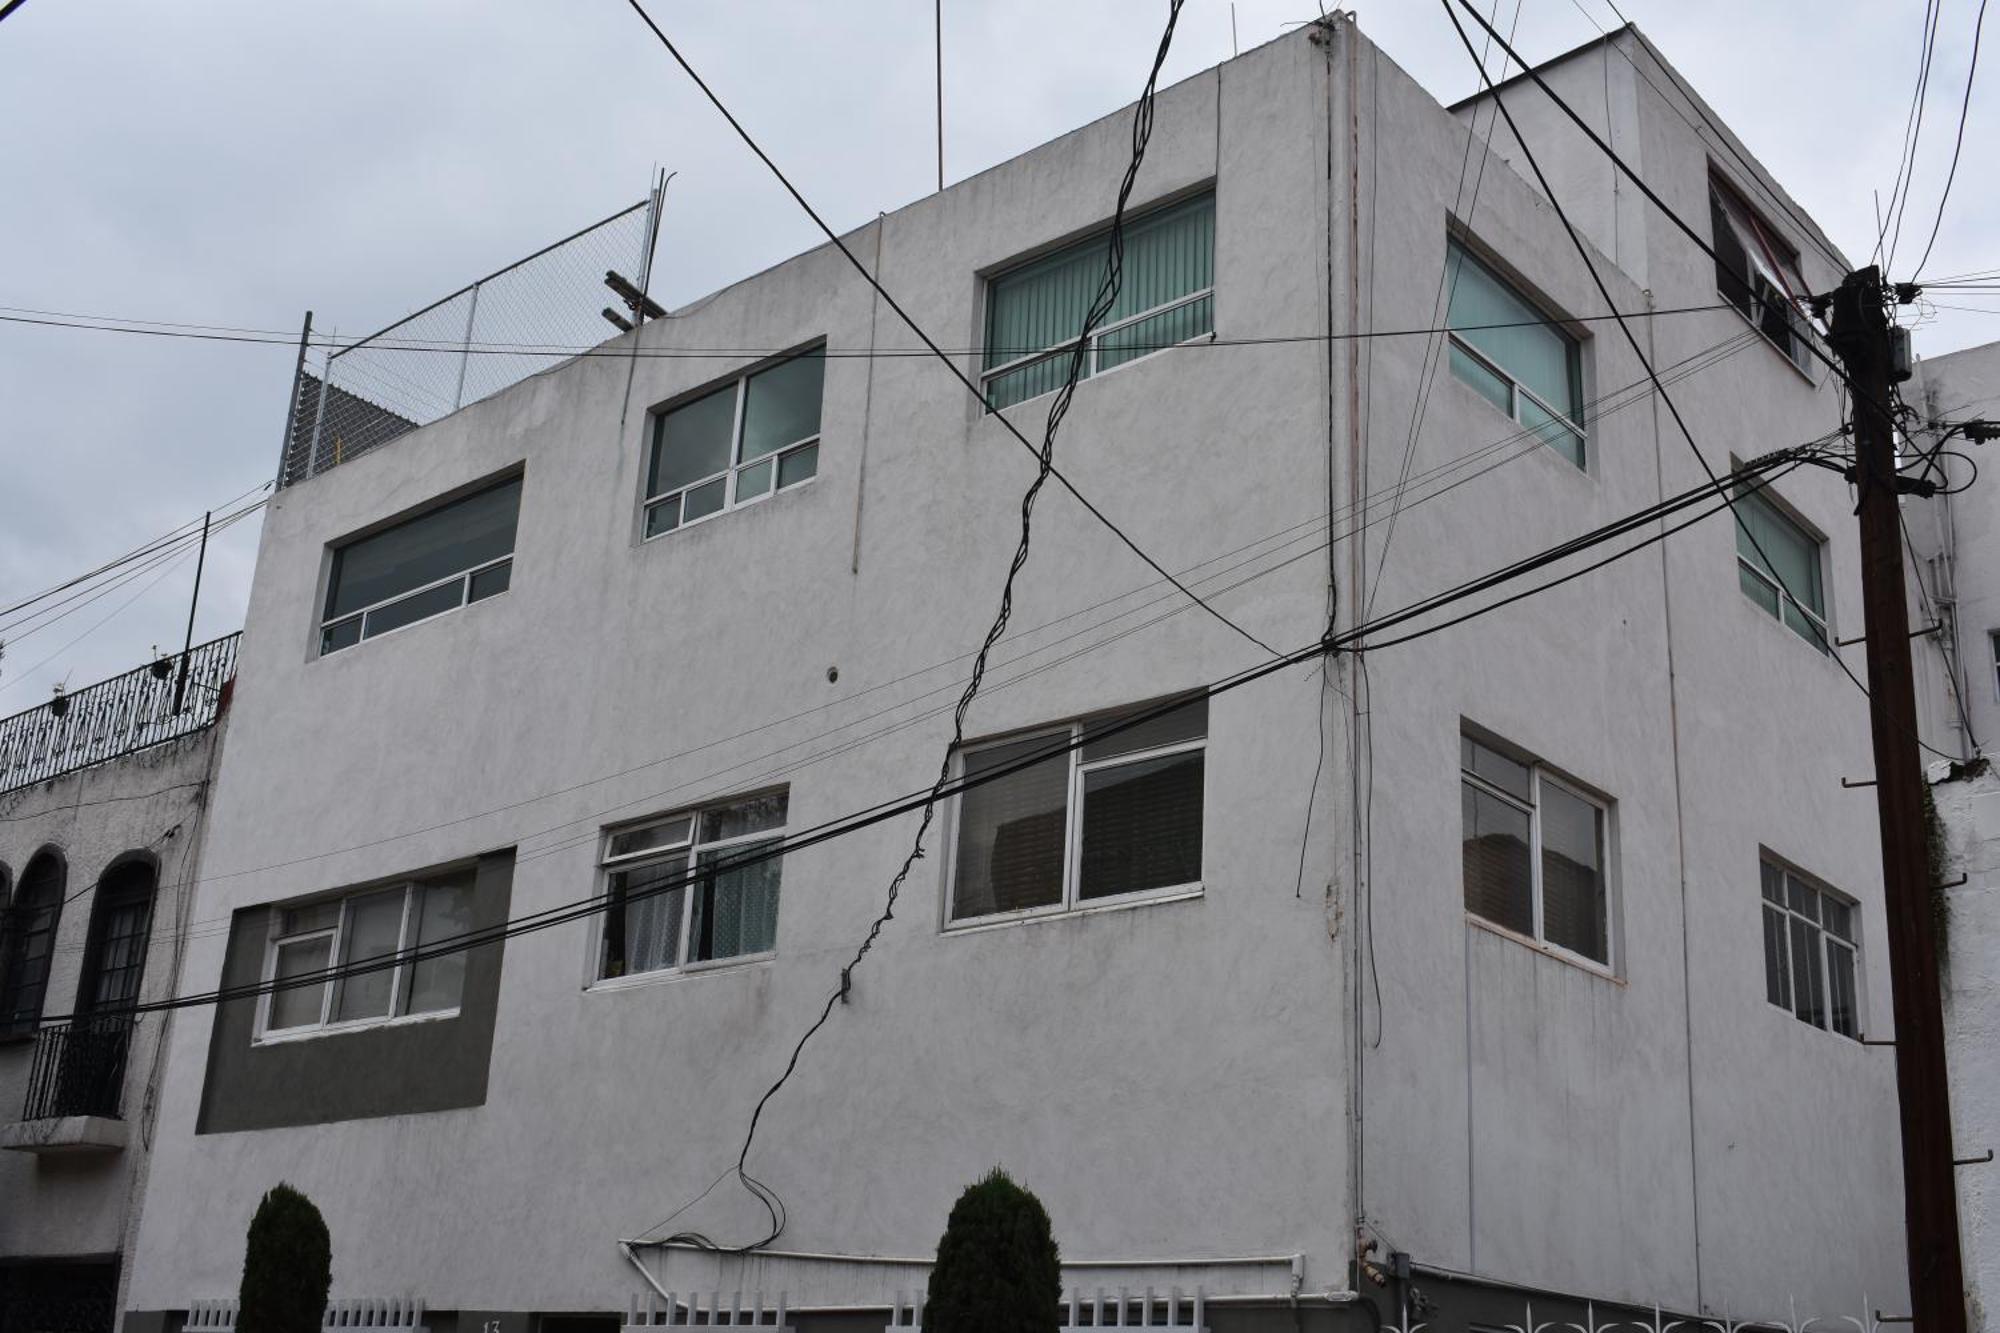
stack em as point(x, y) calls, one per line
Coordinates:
point(391, 1069)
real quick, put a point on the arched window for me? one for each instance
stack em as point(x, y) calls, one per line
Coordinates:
point(120, 923)
point(30, 937)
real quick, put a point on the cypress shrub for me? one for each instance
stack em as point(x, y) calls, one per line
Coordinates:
point(287, 1266)
point(997, 1268)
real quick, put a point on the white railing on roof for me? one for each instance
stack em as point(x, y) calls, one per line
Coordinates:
point(1100, 1310)
point(391, 1314)
point(689, 1312)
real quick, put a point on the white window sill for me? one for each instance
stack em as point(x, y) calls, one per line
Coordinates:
point(1858, 1042)
point(684, 972)
point(1527, 437)
point(1830, 654)
point(1553, 952)
point(1140, 360)
point(1094, 907)
point(460, 609)
point(723, 512)
point(355, 1025)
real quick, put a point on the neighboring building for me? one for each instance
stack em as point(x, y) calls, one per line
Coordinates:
point(1955, 587)
point(102, 799)
point(1552, 981)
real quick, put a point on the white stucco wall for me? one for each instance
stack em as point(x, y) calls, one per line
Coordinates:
point(1174, 1079)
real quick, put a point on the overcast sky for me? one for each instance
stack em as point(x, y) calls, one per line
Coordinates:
point(235, 162)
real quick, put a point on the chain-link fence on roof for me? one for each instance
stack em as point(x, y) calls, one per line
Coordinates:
point(472, 344)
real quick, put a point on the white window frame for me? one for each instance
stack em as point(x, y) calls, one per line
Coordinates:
point(399, 998)
point(1824, 643)
point(1826, 942)
point(1993, 642)
point(691, 847)
point(1537, 775)
point(1097, 335)
point(1516, 389)
point(463, 577)
point(775, 457)
point(1071, 902)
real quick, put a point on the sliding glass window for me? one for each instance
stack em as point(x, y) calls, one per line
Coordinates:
point(1514, 354)
point(448, 557)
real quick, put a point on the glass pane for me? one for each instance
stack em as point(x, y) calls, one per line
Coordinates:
point(748, 816)
point(1837, 917)
point(703, 500)
point(1484, 762)
point(754, 481)
point(300, 1005)
point(1804, 626)
point(1493, 388)
point(1757, 588)
point(1186, 723)
point(1802, 897)
point(444, 911)
point(783, 405)
point(1025, 382)
point(1141, 826)
point(1773, 882)
point(121, 954)
point(1771, 542)
point(419, 606)
point(448, 540)
point(1145, 336)
point(1575, 912)
point(1777, 959)
point(797, 466)
point(1169, 253)
point(343, 635)
point(374, 928)
point(1807, 982)
point(663, 517)
point(1011, 831)
point(487, 582)
point(1555, 434)
point(313, 916)
point(736, 911)
point(1526, 344)
point(692, 441)
point(666, 833)
point(1498, 876)
point(651, 896)
point(1845, 1015)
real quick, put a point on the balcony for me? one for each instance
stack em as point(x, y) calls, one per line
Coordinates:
point(76, 1089)
point(117, 716)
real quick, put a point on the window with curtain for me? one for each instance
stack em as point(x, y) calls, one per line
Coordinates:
point(378, 926)
point(1514, 354)
point(1035, 310)
point(1758, 273)
point(27, 942)
point(1534, 850)
point(684, 889)
point(1811, 953)
point(738, 443)
point(1779, 567)
point(1080, 814)
point(445, 558)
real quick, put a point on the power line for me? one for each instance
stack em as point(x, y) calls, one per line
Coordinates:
point(1906, 155)
point(1958, 145)
point(1751, 476)
point(122, 324)
point(1583, 252)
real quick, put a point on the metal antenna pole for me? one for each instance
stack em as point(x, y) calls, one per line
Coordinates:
point(938, 29)
point(201, 558)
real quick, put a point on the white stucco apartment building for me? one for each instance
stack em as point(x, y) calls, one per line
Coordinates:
point(1535, 952)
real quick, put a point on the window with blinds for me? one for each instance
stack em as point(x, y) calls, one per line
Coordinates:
point(690, 888)
point(1778, 567)
point(1080, 815)
point(1166, 296)
point(1514, 355)
point(445, 558)
point(1534, 849)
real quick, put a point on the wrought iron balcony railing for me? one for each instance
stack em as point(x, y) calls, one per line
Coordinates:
point(117, 716)
point(79, 1069)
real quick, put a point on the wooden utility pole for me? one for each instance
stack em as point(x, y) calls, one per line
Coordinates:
point(1861, 336)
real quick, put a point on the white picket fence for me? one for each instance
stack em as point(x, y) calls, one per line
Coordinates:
point(1118, 1310)
point(689, 1312)
point(394, 1314)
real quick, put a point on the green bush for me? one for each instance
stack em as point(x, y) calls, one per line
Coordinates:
point(287, 1266)
point(997, 1268)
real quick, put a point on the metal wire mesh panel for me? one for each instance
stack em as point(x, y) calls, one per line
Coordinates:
point(468, 346)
